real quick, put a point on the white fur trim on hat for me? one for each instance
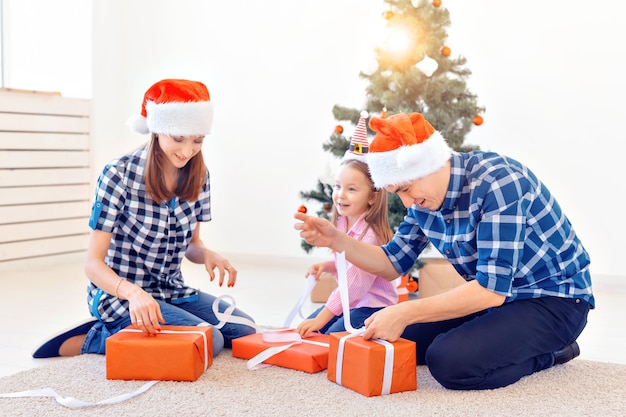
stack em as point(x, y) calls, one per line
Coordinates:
point(408, 163)
point(180, 119)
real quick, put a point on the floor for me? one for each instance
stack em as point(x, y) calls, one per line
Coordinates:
point(42, 299)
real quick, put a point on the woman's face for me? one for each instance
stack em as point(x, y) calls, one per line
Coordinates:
point(180, 149)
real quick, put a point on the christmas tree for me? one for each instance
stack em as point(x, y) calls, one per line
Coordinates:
point(415, 72)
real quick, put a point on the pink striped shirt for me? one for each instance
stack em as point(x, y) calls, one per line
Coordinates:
point(364, 289)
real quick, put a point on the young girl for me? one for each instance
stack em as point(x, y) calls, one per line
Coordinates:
point(146, 216)
point(361, 211)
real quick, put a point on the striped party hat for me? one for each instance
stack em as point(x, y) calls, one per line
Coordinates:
point(359, 144)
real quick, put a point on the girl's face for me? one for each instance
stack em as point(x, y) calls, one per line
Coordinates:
point(180, 149)
point(353, 193)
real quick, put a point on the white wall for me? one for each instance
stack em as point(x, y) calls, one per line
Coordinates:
point(549, 74)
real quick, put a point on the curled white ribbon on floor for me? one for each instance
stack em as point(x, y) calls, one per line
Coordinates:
point(76, 403)
point(342, 277)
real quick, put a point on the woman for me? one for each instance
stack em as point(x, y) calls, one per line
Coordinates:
point(144, 220)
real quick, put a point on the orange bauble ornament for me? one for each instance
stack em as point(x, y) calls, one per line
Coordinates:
point(302, 209)
point(445, 51)
point(436, 3)
point(387, 15)
point(478, 120)
point(339, 129)
point(411, 285)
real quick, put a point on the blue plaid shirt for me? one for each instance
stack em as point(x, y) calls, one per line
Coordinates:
point(501, 226)
point(149, 240)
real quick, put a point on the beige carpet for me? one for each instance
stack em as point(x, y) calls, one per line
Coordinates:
point(578, 388)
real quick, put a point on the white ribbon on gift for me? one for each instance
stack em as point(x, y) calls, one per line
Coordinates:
point(278, 336)
point(342, 277)
point(285, 335)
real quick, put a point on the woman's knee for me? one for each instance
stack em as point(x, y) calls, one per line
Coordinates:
point(217, 341)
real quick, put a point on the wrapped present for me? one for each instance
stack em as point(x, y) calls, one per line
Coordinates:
point(177, 353)
point(308, 354)
point(372, 367)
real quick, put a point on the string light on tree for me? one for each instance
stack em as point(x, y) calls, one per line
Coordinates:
point(399, 41)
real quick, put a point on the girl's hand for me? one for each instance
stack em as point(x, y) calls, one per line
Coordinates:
point(319, 268)
point(308, 326)
point(213, 260)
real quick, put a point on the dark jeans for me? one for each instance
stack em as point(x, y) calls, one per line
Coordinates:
point(336, 324)
point(498, 346)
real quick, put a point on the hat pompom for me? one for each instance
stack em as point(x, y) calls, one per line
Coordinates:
point(138, 124)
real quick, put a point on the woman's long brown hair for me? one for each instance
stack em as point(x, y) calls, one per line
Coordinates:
point(377, 217)
point(192, 175)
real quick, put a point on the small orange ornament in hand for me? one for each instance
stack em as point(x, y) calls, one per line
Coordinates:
point(302, 209)
point(478, 120)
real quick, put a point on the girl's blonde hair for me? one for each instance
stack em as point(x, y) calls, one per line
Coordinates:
point(377, 216)
point(192, 175)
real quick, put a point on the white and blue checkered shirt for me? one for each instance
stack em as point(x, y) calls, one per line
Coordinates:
point(501, 226)
point(149, 240)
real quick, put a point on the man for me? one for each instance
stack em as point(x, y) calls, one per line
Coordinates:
point(528, 289)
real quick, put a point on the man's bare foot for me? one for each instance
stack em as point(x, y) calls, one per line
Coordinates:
point(71, 347)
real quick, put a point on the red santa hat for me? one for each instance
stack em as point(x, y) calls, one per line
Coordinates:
point(406, 147)
point(175, 108)
point(359, 145)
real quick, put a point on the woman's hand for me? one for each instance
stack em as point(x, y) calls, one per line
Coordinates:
point(145, 312)
point(212, 261)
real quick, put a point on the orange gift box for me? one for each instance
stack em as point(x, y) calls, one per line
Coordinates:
point(307, 357)
point(177, 353)
point(364, 362)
